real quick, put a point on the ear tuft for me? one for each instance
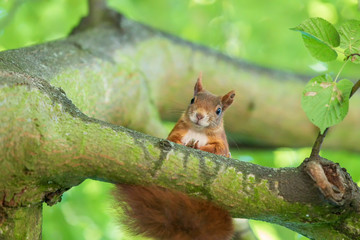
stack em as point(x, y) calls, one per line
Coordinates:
point(228, 99)
point(198, 86)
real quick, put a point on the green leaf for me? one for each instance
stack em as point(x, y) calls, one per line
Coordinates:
point(350, 39)
point(318, 49)
point(326, 102)
point(320, 37)
point(349, 33)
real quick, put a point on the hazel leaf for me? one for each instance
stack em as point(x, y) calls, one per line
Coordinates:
point(326, 102)
point(320, 38)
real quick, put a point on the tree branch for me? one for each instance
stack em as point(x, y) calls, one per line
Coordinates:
point(352, 56)
point(315, 151)
point(98, 13)
point(355, 88)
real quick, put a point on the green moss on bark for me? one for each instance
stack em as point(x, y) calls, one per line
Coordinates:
point(22, 223)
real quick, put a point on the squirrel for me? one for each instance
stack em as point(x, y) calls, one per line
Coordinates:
point(201, 126)
point(166, 214)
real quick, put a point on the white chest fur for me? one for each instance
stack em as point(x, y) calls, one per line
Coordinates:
point(191, 135)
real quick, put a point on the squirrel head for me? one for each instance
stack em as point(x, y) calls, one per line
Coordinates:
point(206, 109)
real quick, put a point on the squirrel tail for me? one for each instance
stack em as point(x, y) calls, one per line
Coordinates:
point(162, 213)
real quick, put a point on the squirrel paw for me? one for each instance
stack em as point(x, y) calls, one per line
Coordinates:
point(193, 144)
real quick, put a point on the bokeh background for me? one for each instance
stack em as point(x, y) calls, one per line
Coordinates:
point(256, 31)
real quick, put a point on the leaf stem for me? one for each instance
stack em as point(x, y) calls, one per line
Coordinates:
point(341, 69)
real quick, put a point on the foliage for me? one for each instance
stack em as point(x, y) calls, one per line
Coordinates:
point(38, 21)
point(324, 100)
point(320, 37)
point(350, 39)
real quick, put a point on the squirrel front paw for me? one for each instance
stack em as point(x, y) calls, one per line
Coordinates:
point(193, 144)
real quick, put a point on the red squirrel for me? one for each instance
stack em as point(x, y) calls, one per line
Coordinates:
point(201, 126)
point(167, 214)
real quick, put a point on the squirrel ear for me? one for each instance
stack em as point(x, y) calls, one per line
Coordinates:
point(227, 99)
point(198, 86)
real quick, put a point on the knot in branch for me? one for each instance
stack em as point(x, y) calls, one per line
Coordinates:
point(334, 182)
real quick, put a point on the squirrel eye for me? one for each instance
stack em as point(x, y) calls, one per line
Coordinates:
point(192, 101)
point(218, 111)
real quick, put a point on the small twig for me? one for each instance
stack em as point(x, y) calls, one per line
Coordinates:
point(355, 88)
point(98, 13)
point(320, 138)
point(317, 145)
point(352, 55)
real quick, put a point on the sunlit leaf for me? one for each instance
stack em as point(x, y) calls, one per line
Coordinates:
point(320, 37)
point(326, 102)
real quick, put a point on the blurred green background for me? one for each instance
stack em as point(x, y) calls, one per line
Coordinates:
point(257, 31)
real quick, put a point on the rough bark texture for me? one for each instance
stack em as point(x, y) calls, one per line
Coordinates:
point(48, 145)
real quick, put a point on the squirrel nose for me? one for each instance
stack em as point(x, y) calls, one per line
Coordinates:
point(199, 116)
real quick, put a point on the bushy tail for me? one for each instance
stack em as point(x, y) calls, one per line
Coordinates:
point(170, 215)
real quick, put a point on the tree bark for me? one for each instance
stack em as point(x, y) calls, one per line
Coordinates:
point(21, 222)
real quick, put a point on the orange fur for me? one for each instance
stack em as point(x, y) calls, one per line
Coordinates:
point(170, 215)
point(179, 130)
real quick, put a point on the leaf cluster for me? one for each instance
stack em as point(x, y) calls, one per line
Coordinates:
point(326, 100)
